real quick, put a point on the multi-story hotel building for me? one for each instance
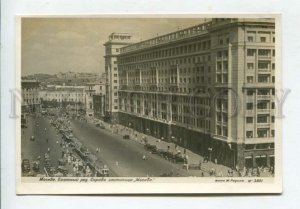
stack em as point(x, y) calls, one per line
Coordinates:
point(112, 49)
point(209, 88)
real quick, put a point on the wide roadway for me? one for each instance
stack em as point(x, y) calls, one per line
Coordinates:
point(123, 157)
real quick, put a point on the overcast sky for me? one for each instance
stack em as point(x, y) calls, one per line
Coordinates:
point(52, 45)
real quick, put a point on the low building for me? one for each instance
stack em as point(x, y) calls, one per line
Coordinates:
point(99, 106)
point(91, 90)
point(63, 96)
point(30, 95)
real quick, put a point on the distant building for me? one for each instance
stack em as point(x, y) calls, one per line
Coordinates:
point(62, 96)
point(112, 50)
point(91, 90)
point(99, 106)
point(30, 95)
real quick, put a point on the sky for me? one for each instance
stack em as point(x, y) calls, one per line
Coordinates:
point(53, 45)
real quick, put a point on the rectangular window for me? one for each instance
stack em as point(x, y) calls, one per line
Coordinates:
point(219, 78)
point(273, 119)
point(219, 54)
point(263, 78)
point(262, 133)
point(263, 65)
point(251, 52)
point(262, 105)
point(250, 38)
point(263, 39)
point(250, 66)
point(249, 134)
point(249, 119)
point(250, 92)
point(249, 79)
point(263, 92)
point(264, 52)
point(273, 66)
point(249, 106)
point(272, 133)
point(115, 68)
point(262, 118)
point(225, 131)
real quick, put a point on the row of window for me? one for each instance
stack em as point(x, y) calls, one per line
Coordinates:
point(260, 105)
point(260, 52)
point(261, 36)
point(174, 51)
point(261, 92)
point(261, 133)
point(31, 100)
point(261, 119)
point(262, 65)
point(261, 79)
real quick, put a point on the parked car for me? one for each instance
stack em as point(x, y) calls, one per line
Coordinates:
point(126, 136)
point(179, 158)
point(151, 148)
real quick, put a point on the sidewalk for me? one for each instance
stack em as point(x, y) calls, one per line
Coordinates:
point(193, 159)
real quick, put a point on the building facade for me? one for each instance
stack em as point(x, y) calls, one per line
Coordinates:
point(62, 96)
point(91, 90)
point(112, 49)
point(30, 100)
point(209, 88)
point(99, 106)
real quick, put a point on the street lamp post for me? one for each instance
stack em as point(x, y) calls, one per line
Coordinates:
point(210, 150)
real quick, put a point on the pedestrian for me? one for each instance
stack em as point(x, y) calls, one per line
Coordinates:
point(184, 151)
point(144, 157)
point(216, 161)
point(175, 146)
point(199, 165)
point(187, 159)
point(47, 140)
point(48, 150)
point(97, 150)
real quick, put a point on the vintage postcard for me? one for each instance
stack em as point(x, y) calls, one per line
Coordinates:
point(149, 104)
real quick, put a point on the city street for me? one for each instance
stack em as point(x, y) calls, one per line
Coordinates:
point(45, 137)
point(124, 157)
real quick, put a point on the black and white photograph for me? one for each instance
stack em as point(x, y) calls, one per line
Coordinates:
point(147, 100)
